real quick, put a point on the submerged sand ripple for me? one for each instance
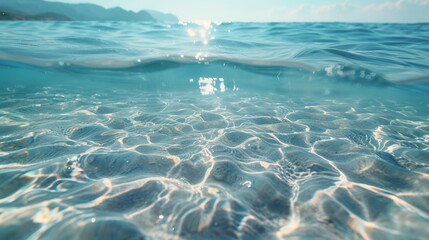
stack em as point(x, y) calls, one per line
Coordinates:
point(75, 165)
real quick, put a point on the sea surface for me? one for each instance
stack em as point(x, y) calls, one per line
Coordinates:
point(118, 130)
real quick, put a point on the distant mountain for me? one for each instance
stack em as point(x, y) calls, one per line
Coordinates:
point(81, 12)
point(11, 15)
point(164, 17)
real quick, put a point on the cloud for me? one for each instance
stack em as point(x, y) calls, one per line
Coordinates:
point(416, 2)
point(353, 11)
point(331, 7)
point(310, 12)
point(399, 4)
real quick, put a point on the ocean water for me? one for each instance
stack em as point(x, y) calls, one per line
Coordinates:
point(113, 130)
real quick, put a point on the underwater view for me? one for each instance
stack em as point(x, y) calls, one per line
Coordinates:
point(209, 130)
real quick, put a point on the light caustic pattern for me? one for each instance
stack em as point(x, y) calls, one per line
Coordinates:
point(119, 130)
point(146, 165)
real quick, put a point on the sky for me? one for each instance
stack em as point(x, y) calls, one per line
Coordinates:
point(281, 10)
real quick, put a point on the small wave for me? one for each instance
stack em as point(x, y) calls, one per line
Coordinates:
point(340, 72)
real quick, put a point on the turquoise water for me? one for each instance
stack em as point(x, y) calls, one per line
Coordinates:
point(112, 130)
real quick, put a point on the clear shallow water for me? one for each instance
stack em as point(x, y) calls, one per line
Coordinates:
point(240, 130)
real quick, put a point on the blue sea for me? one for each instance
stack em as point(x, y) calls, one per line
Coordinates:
point(118, 130)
